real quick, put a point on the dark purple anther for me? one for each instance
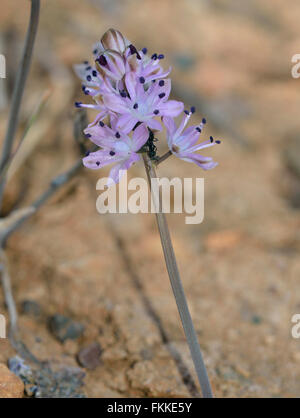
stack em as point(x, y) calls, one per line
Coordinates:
point(198, 129)
point(101, 123)
point(78, 104)
point(144, 50)
point(204, 121)
point(193, 109)
point(102, 60)
point(87, 153)
point(89, 78)
point(161, 83)
point(161, 56)
point(154, 57)
point(161, 95)
point(142, 80)
point(156, 112)
point(218, 141)
point(211, 139)
point(88, 135)
point(112, 153)
point(118, 135)
point(98, 163)
point(133, 50)
point(94, 73)
point(186, 112)
point(135, 106)
point(123, 93)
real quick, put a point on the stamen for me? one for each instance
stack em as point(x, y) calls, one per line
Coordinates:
point(161, 83)
point(198, 129)
point(87, 153)
point(161, 95)
point(102, 60)
point(218, 141)
point(123, 93)
point(101, 123)
point(161, 56)
point(144, 50)
point(154, 57)
point(88, 68)
point(135, 106)
point(186, 112)
point(89, 78)
point(87, 135)
point(94, 73)
point(204, 121)
point(156, 112)
point(193, 109)
point(78, 104)
point(133, 50)
point(97, 163)
point(95, 51)
point(142, 80)
point(85, 62)
point(118, 135)
point(112, 153)
point(211, 139)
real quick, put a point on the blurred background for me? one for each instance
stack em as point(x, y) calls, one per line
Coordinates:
point(105, 273)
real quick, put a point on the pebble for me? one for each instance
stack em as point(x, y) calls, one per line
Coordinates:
point(89, 357)
point(64, 328)
point(30, 307)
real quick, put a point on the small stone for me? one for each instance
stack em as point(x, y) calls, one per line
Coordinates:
point(89, 357)
point(64, 328)
point(10, 385)
point(30, 307)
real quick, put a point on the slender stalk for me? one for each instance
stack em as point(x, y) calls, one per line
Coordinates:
point(163, 158)
point(19, 89)
point(177, 287)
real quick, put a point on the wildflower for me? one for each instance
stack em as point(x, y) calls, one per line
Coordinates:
point(141, 105)
point(117, 148)
point(183, 144)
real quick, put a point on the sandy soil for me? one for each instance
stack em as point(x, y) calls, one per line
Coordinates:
point(240, 267)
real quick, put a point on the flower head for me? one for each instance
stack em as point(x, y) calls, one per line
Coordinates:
point(130, 91)
point(183, 143)
point(117, 148)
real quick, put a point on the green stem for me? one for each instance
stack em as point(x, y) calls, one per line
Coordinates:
point(177, 287)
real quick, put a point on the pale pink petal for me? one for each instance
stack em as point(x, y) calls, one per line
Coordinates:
point(130, 81)
point(115, 103)
point(154, 124)
point(169, 124)
point(171, 108)
point(139, 137)
point(126, 123)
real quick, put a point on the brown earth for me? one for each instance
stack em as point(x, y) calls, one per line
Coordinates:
point(240, 267)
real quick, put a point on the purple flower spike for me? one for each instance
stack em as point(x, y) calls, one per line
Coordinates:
point(183, 143)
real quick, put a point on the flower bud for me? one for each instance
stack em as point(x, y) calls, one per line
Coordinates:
point(114, 40)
